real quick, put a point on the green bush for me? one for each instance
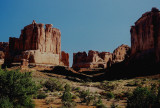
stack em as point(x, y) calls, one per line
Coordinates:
point(67, 101)
point(109, 95)
point(143, 98)
point(84, 94)
point(99, 103)
point(53, 85)
point(18, 87)
point(41, 96)
point(113, 105)
point(135, 83)
point(5, 103)
point(77, 89)
point(87, 97)
point(107, 86)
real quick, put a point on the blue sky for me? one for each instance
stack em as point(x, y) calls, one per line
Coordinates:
point(100, 25)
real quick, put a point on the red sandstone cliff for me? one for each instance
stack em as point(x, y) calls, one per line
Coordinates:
point(94, 59)
point(38, 45)
point(121, 53)
point(145, 37)
point(65, 58)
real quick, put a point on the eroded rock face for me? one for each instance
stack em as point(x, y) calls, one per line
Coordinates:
point(121, 53)
point(2, 55)
point(65, 58)
point(145, 37)
point(94, 59)
point(3, 46)
point(3, 49)
point(36, 44)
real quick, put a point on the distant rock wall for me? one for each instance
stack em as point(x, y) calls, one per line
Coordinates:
point(36, 44)
point(94, 59)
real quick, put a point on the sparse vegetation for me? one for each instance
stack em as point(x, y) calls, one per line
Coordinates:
point(99, 103)
point(107, 86)
point(67, 98)
point(135, 83)
point(113, 105)
point(53, 85)
point(41, 95)
point(109, 95)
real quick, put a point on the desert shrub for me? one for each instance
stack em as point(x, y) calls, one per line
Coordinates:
point(109, 95)
point(18, 87)
point(87, 97)
point(67, 98)
point(99, 103)
point(135, 83)
point(77, 89)
point(143, 98)
point(5, 103)
point(53, 85)
point(48, 101)
point(55, 94)
point(74, 96)
point(113, 105)
point(84, 94)
point(41, 95)
point(107, 86)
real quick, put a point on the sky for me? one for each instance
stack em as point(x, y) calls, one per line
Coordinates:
point(100, 25)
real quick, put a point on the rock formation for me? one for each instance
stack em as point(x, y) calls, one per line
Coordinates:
point(3, 49)
point(121, 53)
point(145, 38)
point(65, 58)
point(94, 59)
point(36, 44)
point(3, 46)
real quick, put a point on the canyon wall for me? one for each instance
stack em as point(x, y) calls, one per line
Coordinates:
point(145, 38)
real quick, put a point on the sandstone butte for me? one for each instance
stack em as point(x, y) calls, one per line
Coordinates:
point(95, 59)
point(37, 45)
point(145, 38)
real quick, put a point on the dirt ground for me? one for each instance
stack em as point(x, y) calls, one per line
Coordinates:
point(119, 86)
